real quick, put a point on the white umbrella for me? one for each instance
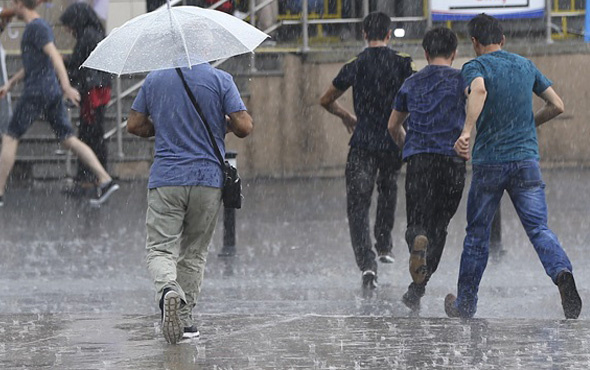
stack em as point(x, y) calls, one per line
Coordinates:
point(173, 37)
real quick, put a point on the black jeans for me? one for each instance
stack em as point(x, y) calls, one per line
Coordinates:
point(434, 186)
point(92, 134)
point(364, 168)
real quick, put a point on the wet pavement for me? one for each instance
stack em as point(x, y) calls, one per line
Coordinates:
point(75, 294)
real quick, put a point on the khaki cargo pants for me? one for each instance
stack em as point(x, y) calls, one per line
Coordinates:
point(180, 224)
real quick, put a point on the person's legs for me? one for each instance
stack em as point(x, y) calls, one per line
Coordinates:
point(419, 182)
point(487, 187)
point(389, 164)
point(418, 196)
point(91, 133)
point(199, 225)
point(165, 221)
point(7, 158)
point(527, 192)
point(450, 181)
point(360, 173)
point(56, 114)
point(87, 156)
point(434, 186)
point(27, 110)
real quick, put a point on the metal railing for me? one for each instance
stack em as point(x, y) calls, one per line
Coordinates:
point(305, 20)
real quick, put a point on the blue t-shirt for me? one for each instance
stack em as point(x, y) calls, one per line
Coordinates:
point(40, 77)
point(506, 129)
point(435, 99)
point(184, 154)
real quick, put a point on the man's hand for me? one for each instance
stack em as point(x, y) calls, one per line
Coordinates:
point(4, 90)
point(72, 95)
point(349, 122)
point(462, 146)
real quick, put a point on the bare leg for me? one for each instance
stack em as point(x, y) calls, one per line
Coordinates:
point(7, 157)
point(87, 156)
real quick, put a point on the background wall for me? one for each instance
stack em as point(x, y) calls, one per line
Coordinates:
point(295, 136)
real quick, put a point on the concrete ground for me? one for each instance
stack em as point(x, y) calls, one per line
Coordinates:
point(75, 294)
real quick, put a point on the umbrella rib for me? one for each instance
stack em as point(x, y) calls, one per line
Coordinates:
point(230, 31)
point(129, 52)
point(188, 58)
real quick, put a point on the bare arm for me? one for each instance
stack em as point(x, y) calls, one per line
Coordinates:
point(475, 103)
point(140, 124)
point(11, 82)
point(240, 123)
point(553, 107)
point(396, 128)
point(58, 64)
point(328, 101)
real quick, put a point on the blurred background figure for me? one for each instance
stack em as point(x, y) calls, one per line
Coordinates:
point(6, 15)
point(94, 87)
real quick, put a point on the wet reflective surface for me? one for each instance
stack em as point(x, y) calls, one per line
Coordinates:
point(75, 294)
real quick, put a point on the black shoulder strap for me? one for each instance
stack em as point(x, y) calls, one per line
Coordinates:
point(200, 112)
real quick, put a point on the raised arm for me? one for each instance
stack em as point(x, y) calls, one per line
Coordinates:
point(396, 128)
point(475, 101)
point(58, 64)
point(553, 107)
point(329, 102)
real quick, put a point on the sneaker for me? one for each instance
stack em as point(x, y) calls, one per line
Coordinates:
point(386, 257)
point(418, 269)
point(103, 193)
point(191, 332)
point(450, 309)
point(570, 299)
point(171, 325)
point(369, 279)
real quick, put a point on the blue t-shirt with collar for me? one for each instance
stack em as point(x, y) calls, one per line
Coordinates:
point(506, 130)
point(183, 152)
point(435, 99)
point(40, 77)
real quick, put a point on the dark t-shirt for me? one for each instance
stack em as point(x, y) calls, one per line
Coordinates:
point(40, 77)
point(375, 75)
point(435, 99)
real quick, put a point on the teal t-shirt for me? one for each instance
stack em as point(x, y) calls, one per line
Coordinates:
point(506, 129)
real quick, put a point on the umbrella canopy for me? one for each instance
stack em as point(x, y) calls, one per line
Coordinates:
point(173, 37)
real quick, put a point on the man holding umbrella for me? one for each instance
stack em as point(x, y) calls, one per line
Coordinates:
point(185, 180)
point(188, 106)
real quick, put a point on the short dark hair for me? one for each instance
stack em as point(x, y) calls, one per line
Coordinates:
point(485, 29)
point(439, 42)
point(376, 25)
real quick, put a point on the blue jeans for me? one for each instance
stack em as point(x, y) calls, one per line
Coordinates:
point(523, 182)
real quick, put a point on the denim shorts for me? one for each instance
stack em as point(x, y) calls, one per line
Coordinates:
point(30, 108)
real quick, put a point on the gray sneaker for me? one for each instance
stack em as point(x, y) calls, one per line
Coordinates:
point(171, 326)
